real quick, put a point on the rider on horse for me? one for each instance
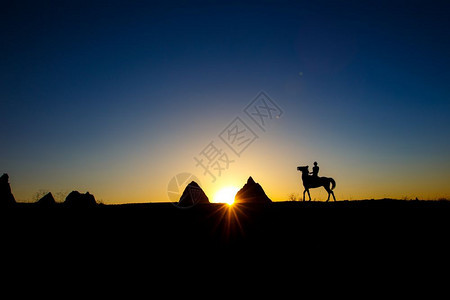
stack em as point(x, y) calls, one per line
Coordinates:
point(314, 181)
point(315, 172)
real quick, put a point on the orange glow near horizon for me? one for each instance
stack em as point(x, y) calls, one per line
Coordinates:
point(226, 195)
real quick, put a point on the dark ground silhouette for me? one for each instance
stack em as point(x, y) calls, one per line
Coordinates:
point(240, 225)
point(368, 234)
point(251, 241)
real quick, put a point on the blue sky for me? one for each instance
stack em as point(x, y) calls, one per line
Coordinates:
point(116, 97)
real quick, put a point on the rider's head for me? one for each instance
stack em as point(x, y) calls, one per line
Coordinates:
point(315, 163)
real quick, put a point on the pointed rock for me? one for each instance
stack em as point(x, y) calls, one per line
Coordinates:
point(76, 199)
point(251, 192)
point(47, 200)
point(192, 195)
point(6, 196)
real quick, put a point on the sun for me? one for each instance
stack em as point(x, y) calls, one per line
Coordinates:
point(226, 195)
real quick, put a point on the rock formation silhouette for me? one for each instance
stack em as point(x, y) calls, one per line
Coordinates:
point(47, 200)
point(76, 199)
point(192, 195)
point(251, 192)
point(6, 196)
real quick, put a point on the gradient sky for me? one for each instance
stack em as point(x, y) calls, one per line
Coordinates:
point(118, 97)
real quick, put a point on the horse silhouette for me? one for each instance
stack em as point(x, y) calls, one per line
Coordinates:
point(310, 182)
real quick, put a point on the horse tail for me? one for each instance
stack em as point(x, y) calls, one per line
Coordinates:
point(333, 183)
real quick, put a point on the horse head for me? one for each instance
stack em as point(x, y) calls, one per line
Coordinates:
point(303, 169)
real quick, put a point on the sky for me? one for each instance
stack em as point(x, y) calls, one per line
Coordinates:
point(121, 98)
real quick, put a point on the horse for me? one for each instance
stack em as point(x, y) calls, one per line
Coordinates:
point(315, 182)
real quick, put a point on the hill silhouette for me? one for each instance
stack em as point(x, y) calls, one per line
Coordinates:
point(78, 200)
point(193, 194)
point(47, 200)
point(251, 192)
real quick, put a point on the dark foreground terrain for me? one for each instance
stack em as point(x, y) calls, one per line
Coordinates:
point(291, 226)
point(357, 237)
point(368, 247)
point(361, 248)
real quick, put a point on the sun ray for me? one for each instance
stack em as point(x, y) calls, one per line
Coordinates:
point(228, 221)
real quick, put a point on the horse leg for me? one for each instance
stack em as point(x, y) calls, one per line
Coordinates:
point(304, 195)
point(329, 192)
point(309, 195)
point(332, 193)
